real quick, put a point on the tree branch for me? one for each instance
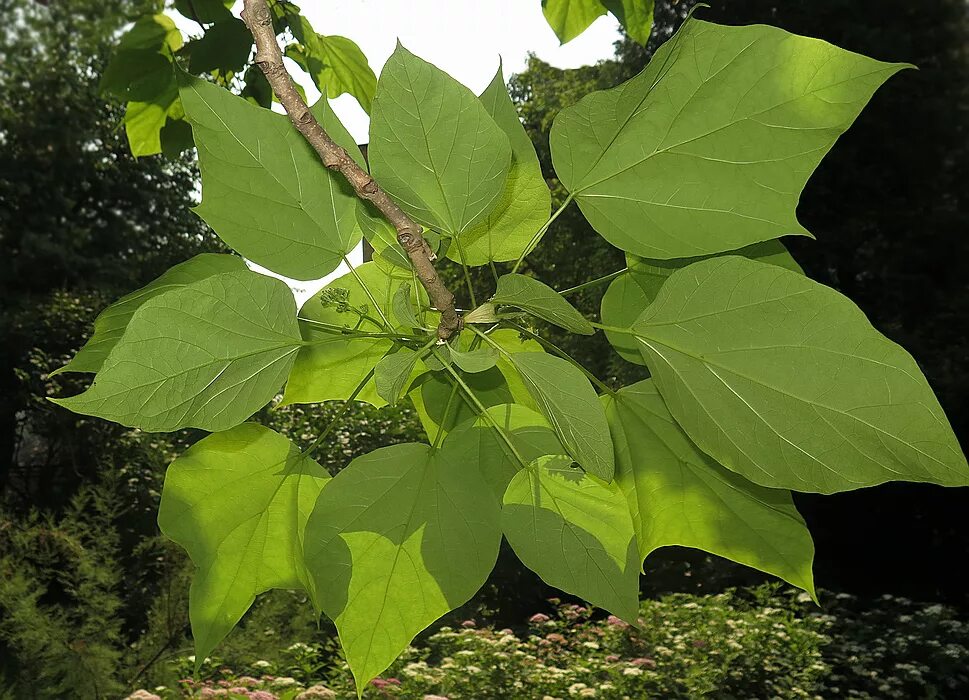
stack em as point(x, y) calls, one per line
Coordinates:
point(269, 58)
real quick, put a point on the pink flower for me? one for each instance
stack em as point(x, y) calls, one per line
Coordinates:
point(469, 623)
point(616, 622)
point(612, 658)
point(393, 681)
point(555, 637)
point(379, 683)
point(538, 618)
point(643, 661)
point(261, 695)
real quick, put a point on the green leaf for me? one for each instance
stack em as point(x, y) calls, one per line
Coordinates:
point(785, 382)
point(708, 148)
point(630, 293)
point(479, 360)
point(525, 202)
point(110, 324)
point(575, 532)
point(398, 538)
point(404, 308)
point(565, 397)
point(569, 18)
point(224, 47)
point(336, 65)
point(152, 32)
point(238, 502)
point(478, 442)
point(206, 355)
point(263, 188)
point(433, 146)
point(392, 374)
point(204, 10)
point(636, 17)
point(257, 89)
point(436, 408)
point(538, 299)
point(679, 496)
point(331, 365)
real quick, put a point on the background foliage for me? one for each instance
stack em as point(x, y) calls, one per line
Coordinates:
point(82, 222)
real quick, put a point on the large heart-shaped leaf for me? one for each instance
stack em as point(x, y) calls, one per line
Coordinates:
point(679, 496)
point(110, 324)
point(398, 538)
point(785, 382)
point(207, 355)
point(433, 146)
point(238, 502)
point(574, 531)
point(264, 190)
point(708, 148)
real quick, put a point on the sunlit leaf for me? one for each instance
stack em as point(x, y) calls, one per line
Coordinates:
point(537, 298)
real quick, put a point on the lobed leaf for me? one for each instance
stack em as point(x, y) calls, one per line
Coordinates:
point(785, 382)
point(238, 501)
point(677, 495)
point(708, 148)
point(397, 539)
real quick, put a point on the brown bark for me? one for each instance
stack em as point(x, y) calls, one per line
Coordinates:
point(269, 58)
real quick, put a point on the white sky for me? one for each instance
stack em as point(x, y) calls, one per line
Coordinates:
point(466, 38)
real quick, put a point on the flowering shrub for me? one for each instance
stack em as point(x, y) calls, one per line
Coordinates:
point(761, 642)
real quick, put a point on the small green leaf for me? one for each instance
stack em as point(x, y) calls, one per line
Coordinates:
point(479, 360)
point(263, 189)
point(398, 538)
point(404, 307)
point(569, 18)
point(238, 502)
point(433, 146)
point(565, 397)
point(110, 324)
point(207, 355)
point(708, 148)
point(575, 532)
point(540, 300)
point(636, 17)
point(785, 382)
point(330, 366)
point(205, 10)
point(392, 374)
point(336, 65)
point(436, 407)
point(679, 496)
point(257, 89)
point(632, 292)
point(525, 202)
point(484, 314)
point(224, 47)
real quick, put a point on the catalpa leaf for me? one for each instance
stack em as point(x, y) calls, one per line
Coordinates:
point(207, 355)
point(708, 148)
point(264, 190)
point(238, 502)
point(335, 63)
point(566, 398)
point(629, 294)
point(525, 202)
point(538, 299)
point(477, 360)
point(111, 323)
point(482, 442)
point(224, 47)
point(397, 539)
point(331, 365)
point(433, 146)
point(636, 17)
point(575, 532)
point(392, 373)
point(569, 18)
point(677, 495)
point(785, 382)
